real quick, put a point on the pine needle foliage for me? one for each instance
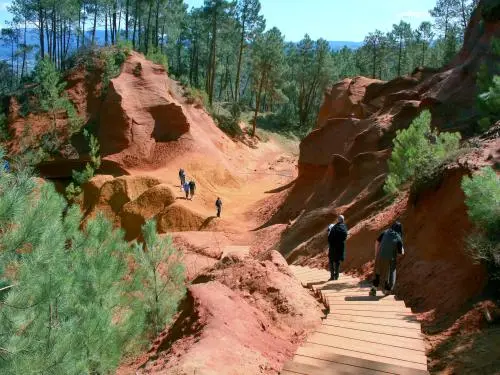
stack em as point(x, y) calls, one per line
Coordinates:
point(161, 274)
point(416, 150)
point(72, 301)
point(482, 193)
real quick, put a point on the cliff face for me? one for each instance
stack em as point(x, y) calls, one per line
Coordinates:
point(343, 166)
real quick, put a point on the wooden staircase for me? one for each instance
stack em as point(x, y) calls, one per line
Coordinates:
point(360, 334)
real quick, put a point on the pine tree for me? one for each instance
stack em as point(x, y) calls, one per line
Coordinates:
point(69, 302)
point(161, 274)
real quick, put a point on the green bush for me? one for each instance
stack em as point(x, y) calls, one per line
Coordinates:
point(73, 190)
point(162, 290)
point(482, 192)
point(158, 57)
point(196, 96)
point(75, 303)
point(418, 150)
point(4, 127)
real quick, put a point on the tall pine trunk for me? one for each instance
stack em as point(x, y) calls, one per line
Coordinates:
point(114, 35)
point(240, 58)
point(257, 103)
point(24, 49)
point(157, 25)
point(399, 57)
point(106, 28)
point(41, 26)
point(214, 58)
point(95, 22)
point(148, 27)
point(127, 6)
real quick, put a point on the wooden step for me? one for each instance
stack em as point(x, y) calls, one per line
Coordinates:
point(332, 316)
point(373, 307)
point(348, 298)
point(338, 333)
point(330, 353)
point(373, 348)
point(325, 368)
point(409, 331)
point(358, 364)
point(375, 314)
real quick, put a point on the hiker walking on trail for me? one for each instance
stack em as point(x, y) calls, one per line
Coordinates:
point(387, 247)
point(218, 205)
point(182, 177)
point(186, 189)
point(337, 234)
point(192, 188)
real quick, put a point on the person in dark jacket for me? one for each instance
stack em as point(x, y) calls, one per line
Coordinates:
point(337, 234)
point(218, 205)
point(387, 247)
point(192, 188)
point(182, 177)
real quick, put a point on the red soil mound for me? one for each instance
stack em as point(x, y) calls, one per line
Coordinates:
point(245, 316)
point(139, 112)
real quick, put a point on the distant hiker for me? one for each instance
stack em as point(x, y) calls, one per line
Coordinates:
point(6, 166)
point(186, 189)
point(182, 177)
point(192, 188)
point(387, 247)
point(218, 205)
point(337, 234)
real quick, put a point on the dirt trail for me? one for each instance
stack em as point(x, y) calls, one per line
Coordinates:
point(248, 182)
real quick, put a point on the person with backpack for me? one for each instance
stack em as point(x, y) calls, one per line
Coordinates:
point(387, 247)
point(182, 177)
point(218, 206)
point(337, 235)
point(186, 189)
point(192, 188)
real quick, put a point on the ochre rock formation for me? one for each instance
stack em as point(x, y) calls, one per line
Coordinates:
point(139, 111)
point(240, 317)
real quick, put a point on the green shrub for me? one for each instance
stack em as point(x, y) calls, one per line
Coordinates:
point(482, 192)
point(137, 70)
point(75, 303)
point(162, 290)
point(197, 97)
point(417, 150)
point(158, 57)
point(73, 190)
point(112, 60)
point(4, 128)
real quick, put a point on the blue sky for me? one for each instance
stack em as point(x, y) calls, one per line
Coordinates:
point(345, 20)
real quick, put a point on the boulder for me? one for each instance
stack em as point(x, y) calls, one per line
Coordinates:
point(135, 213)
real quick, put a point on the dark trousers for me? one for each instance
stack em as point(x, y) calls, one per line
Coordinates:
point(334, 265)
point(218, 211)
point(391, 282)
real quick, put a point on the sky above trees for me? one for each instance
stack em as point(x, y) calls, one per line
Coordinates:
point(329, 19)
point(339, 19)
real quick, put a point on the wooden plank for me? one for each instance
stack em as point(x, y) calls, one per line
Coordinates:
point(376, 314)
point(358, 363)
point(368, 347)
point(348, 298)
point(370, 320)
point(338, 333)
point(344, 302)
point(409, 332)
point(375, 307)
point(326, 368)
point(329, 353)
point(355, 290)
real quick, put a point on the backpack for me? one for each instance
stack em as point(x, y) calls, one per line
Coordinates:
point(389, 244)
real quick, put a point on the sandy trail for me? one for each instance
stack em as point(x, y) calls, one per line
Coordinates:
point(244, 183)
